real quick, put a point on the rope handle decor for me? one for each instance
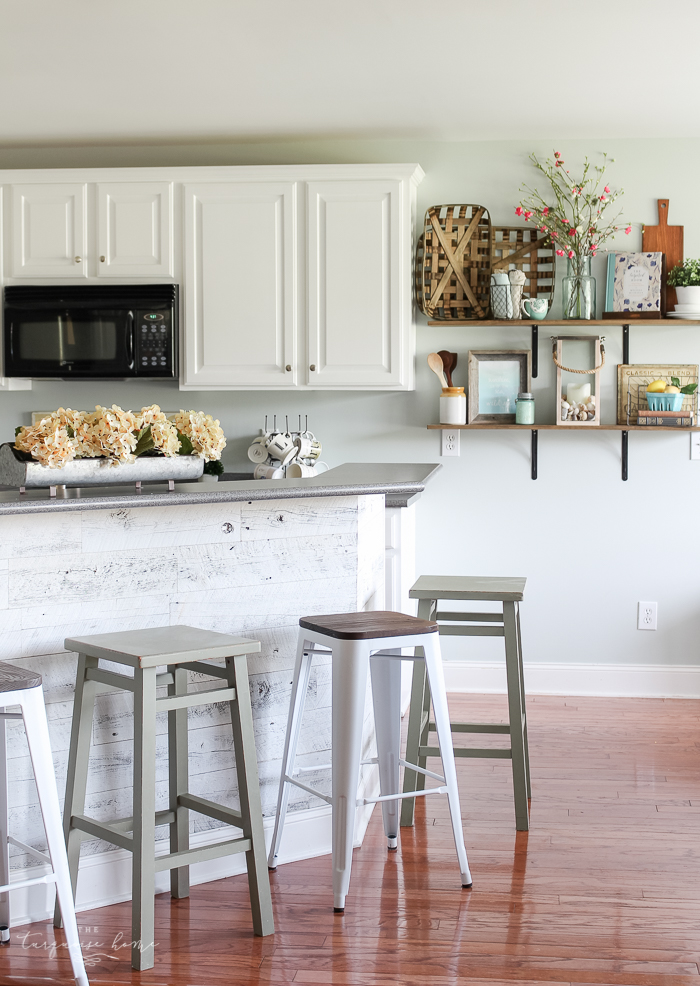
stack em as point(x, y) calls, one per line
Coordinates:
point(570, 369)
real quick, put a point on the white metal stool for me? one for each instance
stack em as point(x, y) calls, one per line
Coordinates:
point(23, 688)
point(354, 638)
point(180, 649)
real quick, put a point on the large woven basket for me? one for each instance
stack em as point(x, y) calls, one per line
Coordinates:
point(453, 262)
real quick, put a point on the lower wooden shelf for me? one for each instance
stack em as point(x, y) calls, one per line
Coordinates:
point(562, 428)
point(534, 430)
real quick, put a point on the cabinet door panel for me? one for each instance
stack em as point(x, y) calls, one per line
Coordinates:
point(240, 290)
point(135, 229)
point(49, 236)
point(355, 284)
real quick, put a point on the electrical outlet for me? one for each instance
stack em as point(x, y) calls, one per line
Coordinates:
point(695, 445)
point(450, 442)
point(646, 616)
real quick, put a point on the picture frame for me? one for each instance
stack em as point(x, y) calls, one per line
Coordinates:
point(635, 285)
point(496, 377)
point(634, 378)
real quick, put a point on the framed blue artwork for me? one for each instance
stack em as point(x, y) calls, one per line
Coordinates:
point(496, 377)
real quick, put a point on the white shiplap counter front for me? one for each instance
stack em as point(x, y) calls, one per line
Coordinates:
point(250, 567)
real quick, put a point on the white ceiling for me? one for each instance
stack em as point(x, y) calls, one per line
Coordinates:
point(157, 70)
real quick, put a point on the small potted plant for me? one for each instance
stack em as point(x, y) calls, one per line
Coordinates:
point(685, 278)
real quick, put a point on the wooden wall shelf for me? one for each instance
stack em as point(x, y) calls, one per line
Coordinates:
point(564, 323)
point(534, 430)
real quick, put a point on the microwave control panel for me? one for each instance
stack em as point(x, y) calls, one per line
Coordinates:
point(155, 349)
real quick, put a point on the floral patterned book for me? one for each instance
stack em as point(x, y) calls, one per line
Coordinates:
point(634, 283)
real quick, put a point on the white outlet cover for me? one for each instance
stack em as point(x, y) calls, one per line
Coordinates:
point(646, 615)
point(449, 444)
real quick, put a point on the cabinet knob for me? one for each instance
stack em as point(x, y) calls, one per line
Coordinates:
point(102, 260)
point(313, 366)
point(288, 367)
point(78, 259)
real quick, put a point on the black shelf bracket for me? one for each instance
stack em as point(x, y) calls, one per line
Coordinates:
point(625, 451)
point(535, 357)
point(533, 454)
point(625, 344)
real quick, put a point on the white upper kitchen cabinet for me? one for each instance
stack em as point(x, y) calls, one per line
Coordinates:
point(135, 229)
point(240, 285)
point(49, 230)
point(300, 277)
point(358, 301)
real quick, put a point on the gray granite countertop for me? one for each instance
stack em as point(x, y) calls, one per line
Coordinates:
point(401, 482)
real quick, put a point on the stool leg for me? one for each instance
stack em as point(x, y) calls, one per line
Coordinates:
point(515, 715)
point(349, 677)
point(144, 834)
point(78, 760)
point(4, 848)
point(249, 793)
point(34, 713)
point(178, 783)
point(300, 684)
point(418, 722)
point(386, 699)
point(436, 680)
point(522, 692)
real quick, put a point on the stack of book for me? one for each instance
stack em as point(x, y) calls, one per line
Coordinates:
point(672, 419)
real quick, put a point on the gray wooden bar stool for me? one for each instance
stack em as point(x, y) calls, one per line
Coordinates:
point(429, 590)
point(179, 649)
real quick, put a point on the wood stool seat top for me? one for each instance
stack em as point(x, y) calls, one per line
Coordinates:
point(14, 679)
point(155, 646)
point(367, 626)
point(468, 587)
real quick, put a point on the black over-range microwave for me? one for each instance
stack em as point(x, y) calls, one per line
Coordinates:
point(91, 331)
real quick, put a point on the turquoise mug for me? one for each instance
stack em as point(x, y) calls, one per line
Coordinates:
point(535, 307)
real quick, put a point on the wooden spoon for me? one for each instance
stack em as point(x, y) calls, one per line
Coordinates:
point(449, 362)
point(435, 364)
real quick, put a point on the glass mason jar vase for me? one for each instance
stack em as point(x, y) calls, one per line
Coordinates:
point(578, 288)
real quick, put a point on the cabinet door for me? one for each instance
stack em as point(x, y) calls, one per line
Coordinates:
point(359, 323)
point(49, 235)
point(240, 285)
point(135, 229)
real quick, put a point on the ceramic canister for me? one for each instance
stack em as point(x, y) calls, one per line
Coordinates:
point(453, 406)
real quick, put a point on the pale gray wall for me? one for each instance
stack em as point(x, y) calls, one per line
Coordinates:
point(590, 545)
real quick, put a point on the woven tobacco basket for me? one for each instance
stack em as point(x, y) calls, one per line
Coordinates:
point(528, 250)
point(453, 262)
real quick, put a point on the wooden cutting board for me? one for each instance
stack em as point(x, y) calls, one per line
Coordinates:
point(667, 240)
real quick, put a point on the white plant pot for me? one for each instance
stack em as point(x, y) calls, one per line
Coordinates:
point(689, 296)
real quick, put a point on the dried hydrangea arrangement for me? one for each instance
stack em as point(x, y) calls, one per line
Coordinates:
point(119, 436)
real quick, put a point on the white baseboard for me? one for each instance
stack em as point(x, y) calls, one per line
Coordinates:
point(620, 680)
point(105, 878)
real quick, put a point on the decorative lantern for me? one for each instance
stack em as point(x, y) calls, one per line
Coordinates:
point(578, 407)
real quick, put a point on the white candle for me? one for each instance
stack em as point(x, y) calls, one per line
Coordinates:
point(578, 393)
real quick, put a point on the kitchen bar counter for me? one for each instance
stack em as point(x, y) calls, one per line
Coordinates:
point(243, 557)
point(401, 482)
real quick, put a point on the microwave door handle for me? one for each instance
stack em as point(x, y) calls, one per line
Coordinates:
point(130, 337)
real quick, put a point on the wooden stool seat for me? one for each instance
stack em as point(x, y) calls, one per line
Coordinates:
point(179, 649)
point(487, 588)
point(367, 626)
point(429, 590)
point(13, 679)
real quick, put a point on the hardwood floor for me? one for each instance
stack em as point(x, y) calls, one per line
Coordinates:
point(603, 889)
